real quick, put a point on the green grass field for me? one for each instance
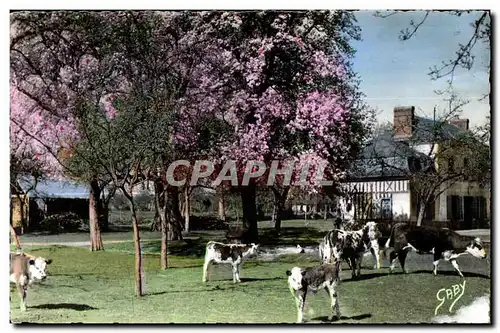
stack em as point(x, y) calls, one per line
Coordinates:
point(98, 287)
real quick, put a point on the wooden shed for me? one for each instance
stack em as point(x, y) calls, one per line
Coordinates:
point(32, 201)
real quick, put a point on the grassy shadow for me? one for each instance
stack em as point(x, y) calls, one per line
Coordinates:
point(369, 276)
point(70, 306)
point(451, 273)
point(215, 288)
point(260, 279)
point(324, 319)
point(304, 236)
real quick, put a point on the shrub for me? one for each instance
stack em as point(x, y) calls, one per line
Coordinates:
point(64, 222)
point(207, 223)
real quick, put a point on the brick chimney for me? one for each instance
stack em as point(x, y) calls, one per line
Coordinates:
point(463, 124)
point(404, 119)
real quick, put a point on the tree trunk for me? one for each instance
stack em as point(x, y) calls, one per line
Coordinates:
point(173, 215)
point(421, 212)
point(279, 207)
point(248, 195)
point(104, 216)
point(161, 215)
point(158, 203)
point(164, 240)
point(14, 237)
point(187, 207)
point(137, 248)
point(222, 206)
point(94, 204)
point(325, 216)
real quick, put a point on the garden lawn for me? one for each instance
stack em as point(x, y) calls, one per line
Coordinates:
point(99, 288)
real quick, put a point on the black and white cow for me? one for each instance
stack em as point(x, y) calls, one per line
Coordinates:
point(227, 254)
point(24, 270)
point(351, 246)
point(443, 243)
point(325, 276)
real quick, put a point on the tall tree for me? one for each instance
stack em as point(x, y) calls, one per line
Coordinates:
point(283, 83)
point(57, 58)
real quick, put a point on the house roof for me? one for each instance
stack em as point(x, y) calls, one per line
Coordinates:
point(53, 189)
point(426, 130)
point(384, 156)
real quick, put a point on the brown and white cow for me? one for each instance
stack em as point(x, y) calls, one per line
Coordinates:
point(325, 276)
point(233, 254)
point(24, 270)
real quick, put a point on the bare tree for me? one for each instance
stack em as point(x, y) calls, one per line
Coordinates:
point(463, 57)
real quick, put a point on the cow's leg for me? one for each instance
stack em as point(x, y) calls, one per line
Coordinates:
point(300, 301)
point(206, 267)
point(402, 258)
point(353, 266)
point(359, 260)
point(22, 294)
point(334, 299)
point(455, 265)
point(374, 249)
point(235, 272)
point(392, 258)
point(437, 257)
point(238, 267)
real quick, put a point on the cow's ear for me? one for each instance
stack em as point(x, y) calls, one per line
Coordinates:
point(31, 261)
point(288, 273)
point(48, 261)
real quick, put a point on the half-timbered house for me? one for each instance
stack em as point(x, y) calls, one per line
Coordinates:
point(383, 191)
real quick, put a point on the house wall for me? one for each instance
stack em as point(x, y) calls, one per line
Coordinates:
point(401, 204)
point(426, 148)
point(19, 211)
point(462, 189)
point(370, 198)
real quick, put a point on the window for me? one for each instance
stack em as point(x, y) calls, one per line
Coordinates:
point(386, 208)
point(465, 168)
point(455, 208)
point(451, 169)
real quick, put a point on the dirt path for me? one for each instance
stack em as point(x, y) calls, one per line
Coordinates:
point(85, 243)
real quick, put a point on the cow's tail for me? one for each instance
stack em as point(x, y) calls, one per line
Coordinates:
point(388, 243)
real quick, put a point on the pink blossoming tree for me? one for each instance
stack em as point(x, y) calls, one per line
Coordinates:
point(283, 83)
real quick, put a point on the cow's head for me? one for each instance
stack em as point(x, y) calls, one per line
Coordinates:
point(38, 268)
point(371, 230)
point(252, 249)
point(476, 248)
point(295, 278)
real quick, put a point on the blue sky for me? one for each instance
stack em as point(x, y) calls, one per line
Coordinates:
point(394, 73)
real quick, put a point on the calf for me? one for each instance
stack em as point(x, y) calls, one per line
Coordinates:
point(351, 246)
point(301, 280)
point(24, 270)
point(228, 254)
point(443, 243)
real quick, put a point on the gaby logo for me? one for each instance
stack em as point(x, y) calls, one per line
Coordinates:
point(450, 294)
